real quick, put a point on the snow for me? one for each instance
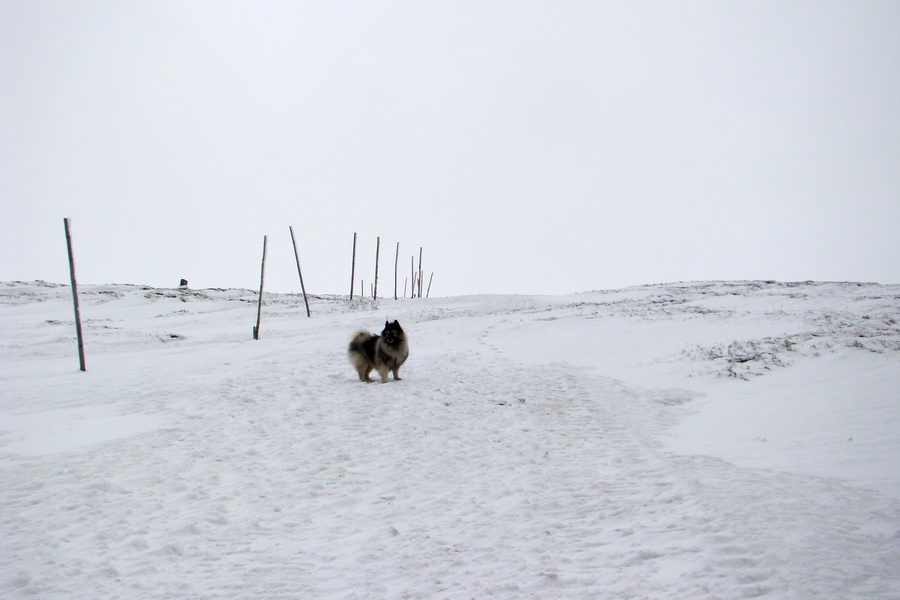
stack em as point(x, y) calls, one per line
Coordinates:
point(692, 440)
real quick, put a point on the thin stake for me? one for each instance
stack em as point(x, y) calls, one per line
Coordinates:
point(377, 252)
point(397, 262)
point(302, 287)
point(429, 284)
point(75, 297)
point(412, 271)
point(353, 267)
point(420, 271)
point(262, 278)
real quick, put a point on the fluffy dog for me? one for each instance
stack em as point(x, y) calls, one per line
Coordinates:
point(385, 352)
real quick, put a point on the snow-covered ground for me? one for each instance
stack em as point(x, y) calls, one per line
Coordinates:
point(700, 440)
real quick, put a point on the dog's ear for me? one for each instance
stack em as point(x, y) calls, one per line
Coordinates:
point(386, 324)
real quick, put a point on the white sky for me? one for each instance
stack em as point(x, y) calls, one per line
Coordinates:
point(533, 147)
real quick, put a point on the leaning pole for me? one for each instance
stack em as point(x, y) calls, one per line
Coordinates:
point(299, 272)
point(262, 279)
point(75, 296)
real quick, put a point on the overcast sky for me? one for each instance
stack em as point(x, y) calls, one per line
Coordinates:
point(529, 147)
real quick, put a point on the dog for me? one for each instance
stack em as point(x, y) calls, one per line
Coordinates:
point(385, 352)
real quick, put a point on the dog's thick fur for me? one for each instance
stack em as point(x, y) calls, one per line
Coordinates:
point(385, 352)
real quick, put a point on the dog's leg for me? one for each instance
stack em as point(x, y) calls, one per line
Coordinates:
point(397, 374)
point(383, 371)
point(363, 373)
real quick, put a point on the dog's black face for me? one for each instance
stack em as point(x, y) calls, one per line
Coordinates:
point(392, 334)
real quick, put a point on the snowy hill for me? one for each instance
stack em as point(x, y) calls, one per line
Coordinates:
point(697, 440)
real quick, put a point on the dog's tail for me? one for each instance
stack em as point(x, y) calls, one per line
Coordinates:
point(359, 337)
point(356, 351)
point(357, 345)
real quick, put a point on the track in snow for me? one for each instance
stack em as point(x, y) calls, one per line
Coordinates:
point(271, 473)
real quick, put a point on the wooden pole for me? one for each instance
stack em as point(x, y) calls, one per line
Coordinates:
point(405, 281)
point(75, 297)
point(420, 271)
point(302, 287)
point(353, 267)
point(262, 278)
point(412, 271)
point(396, 262)
point(377, 252)
point(429, 284)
